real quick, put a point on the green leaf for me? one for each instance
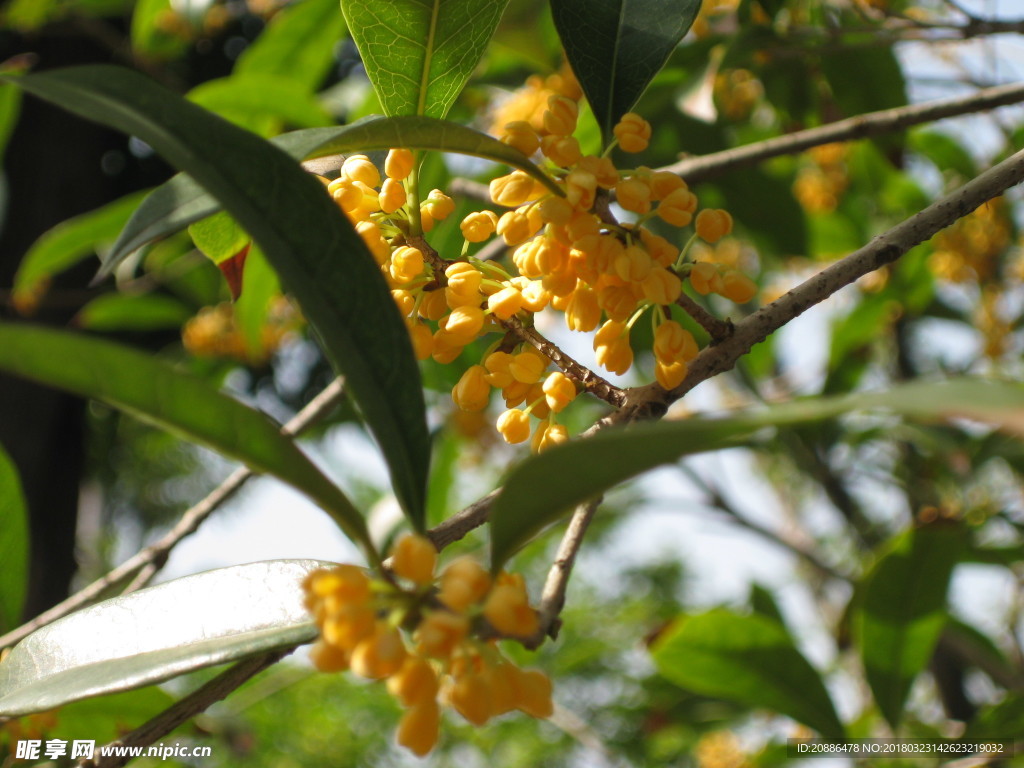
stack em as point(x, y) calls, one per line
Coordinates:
point(68, 243)
point(420, 53)
point(219, 237)
point(616, 47)
point(10, 106)
point(1002, 721)
point(903, 611)
point(159, 633)
point(14, 545)
point(308, 240)
point(544, 487)
point(749, 659)
point(181, 201)
point(249, 100)
point(298, 43)
point(183, 404)
point(104, 717)
point(150, 35)
point(124, 312)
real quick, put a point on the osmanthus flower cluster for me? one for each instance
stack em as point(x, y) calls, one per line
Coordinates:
point(432, 638)
point(570, 255)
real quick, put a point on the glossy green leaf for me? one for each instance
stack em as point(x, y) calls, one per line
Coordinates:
point(181, 201)
point(298, 43)
point(124, 312)
point(308, 240)
point(250, 99)
point(159, 633)
point(903, 611)
point(419, 53)
point(545, 487)
point(616, 47)
point(261, 288)
point(749, 659)
point(186, 405)
point(14, 544)
point(68, 243)
point(10, 107)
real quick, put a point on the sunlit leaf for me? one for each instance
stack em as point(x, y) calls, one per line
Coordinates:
point(298, 43)
point(159, 633)
point(181, 201)
point(749, 659)
point(186, 405)
point(307, 239)
point(14, 544)
point(545, 487)
point(247, 100)
point(419, 53)
point(903, 611)
point(616, 47)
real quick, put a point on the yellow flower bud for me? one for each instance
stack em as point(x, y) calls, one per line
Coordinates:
point(713, 224)
point(563, 151)
point(528, 367)
point(472, 392)
point(583, 312)
point(514, 228)
point(463, 583)
point(634, 195)
point(439, 633)
point(514, 426)
point(439, 205)
point(670, 375)
point(505, 302)
point(415, 683)
point(705, 278)
point(406, 263)
point(512, 190)
point(419, 727)
point(738, 287)
point(632, 132)
point(470, 697)
point(422, 339)
point(602, 168)
point(633, 264)
point(508, 610)
point(359, 168)
point(392, 196)
point(414, 557)
point(328, 658)
point(398, 164)
point(497, 365)
point(559, 391)
point(664, 183)
point(560, 117)
point(677, 207)
point(611, 345)
point(672, 342)
point(548, 436)
point(662, 286)
point(520, 134)
point(479, 225)
point(464, 323)
point(534, 688)
point(379, 655)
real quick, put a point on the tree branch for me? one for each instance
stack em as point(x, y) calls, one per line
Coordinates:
point(142, 566)
point(696, 169)
point(590, 381)
point(187, 708)
point(553, 596)
point(652, 400)
point(718, 330)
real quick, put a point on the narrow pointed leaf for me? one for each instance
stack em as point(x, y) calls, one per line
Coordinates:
point(125, 312)
point(903, 611)
point(419, 53)
point(159, 633)
point(181, 201)
point(13, 544)
point(749, 659)
point(545, 487)
point(303, 234)
point(616, 47)
point(68, 243)
point(186, 405)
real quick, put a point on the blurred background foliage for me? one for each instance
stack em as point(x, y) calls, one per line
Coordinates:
point(836, 498)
